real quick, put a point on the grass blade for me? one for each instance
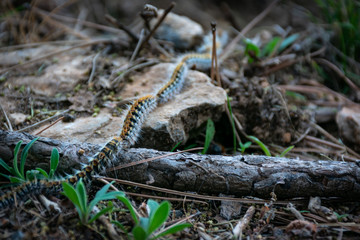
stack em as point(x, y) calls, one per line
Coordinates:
point(286, 151)
point(4, 165)
point(54, 161)
point(16, 152)
point(261, 144)
point(210, 132)
point(173, 229)
point(232, 122)
point(102, 212)
point(24, 154)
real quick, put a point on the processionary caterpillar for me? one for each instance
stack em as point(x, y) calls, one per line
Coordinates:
point(134, 119)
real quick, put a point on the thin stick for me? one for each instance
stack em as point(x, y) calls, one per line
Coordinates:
point(151, 159)
point(118, 24)
point(333, 139)
point(338, 72)
point(138, 45)
point(214, 64)
point(132, 68)
point(85, 23)
point(7, 119)
point(57, 24)
point(93, 67)
point(151, 196)
point(56, 53)
point(239, 228)
point(193, 195)
point(172, 5)
point(225, 54)
point(57, 120)
point(43, 121)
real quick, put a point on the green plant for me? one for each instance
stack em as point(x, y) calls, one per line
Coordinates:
point(275, 46)
point(344, 16)
point(244, 146)
point(79, 198)
point(17, 173)
point(232, 122)
point(266, 150)
point(149, 227)
point(263, 147)
point(210, 132)
point(174, 148)
point(283, 153)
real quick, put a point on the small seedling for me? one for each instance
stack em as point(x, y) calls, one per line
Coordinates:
point(17, 172)
point(79, 198)
point(261, 145)
point(232, 122)
point(210, 132)
point(244, 146)
point(150, 227)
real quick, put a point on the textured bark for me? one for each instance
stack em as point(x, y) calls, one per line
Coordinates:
point(210, 174)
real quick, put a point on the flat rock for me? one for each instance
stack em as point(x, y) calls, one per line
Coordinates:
point(181, 30)
point(61, 75)
point(173, 121)
point(167, 125)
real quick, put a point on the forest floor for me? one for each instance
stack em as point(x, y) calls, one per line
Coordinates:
point(289, 87)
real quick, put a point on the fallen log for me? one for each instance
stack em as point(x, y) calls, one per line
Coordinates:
point(241, 175)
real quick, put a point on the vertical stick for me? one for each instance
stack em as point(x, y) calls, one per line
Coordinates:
point(214, 65)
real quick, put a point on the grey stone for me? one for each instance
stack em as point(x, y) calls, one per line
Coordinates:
point(182, 31)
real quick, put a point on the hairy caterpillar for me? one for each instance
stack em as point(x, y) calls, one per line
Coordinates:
point(131, 128)
point(134, 119)
point(128, 136)
point(174, 85)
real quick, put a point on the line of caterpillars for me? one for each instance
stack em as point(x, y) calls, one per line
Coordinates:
point(129, 134)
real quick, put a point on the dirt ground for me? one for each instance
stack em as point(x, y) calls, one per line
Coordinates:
point(68, 71)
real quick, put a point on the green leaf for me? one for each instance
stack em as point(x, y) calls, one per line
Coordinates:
point(288, 41)
point(210, 132)
point(261, 144)
point(24, 154)
point(127, 203)
point(102, 212)
point(153, 205)
point(173, 229)
point(81, 192)
point(286, 151)
point(144, 223)
point(159, 217)
point(54, 161)
point(119, 225)
point(251, 47)
point(4, 165)
point(16, 179)
point(70, 193)
point(173, 149)
point(5, 176)
point(43, 172)
point(106, 196)
point(270, 47)
point(139, 233)
point(16, 152)
point(232, 122)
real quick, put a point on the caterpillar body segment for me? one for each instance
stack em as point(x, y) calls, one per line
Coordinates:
point(198, 61)
point(174, 85)
point(135, 118)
